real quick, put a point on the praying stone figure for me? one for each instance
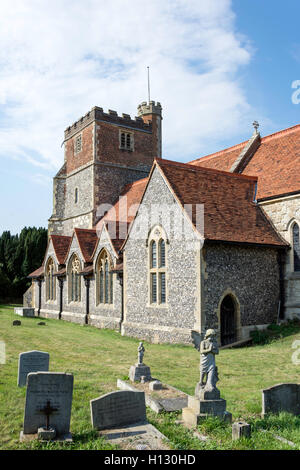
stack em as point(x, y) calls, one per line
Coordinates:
point(141, 351)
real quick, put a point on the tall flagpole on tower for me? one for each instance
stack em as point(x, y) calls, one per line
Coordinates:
point(148, 84)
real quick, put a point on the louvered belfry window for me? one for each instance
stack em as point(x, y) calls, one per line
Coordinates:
point(126, 140)
point(296, 247)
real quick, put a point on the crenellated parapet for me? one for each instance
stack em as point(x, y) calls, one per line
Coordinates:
point(97, 114)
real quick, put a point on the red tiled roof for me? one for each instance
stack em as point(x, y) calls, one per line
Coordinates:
point(37, 273)
point(61, 246)
point(87, 240)
point(276, 162)
point(119, 217)
point(229, 211)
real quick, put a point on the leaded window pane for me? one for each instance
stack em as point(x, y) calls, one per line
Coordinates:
point(154, 287)
point(162, 254)
point(153, 255)
point(296, 247)
point(162, 288)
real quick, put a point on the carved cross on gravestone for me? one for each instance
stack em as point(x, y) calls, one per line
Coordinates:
point(48, 410)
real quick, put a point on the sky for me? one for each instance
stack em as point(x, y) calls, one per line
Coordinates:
point(215, 66)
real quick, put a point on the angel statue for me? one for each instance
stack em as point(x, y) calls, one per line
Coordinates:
point(208, 349)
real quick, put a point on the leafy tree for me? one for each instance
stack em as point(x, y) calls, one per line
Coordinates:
point(19, 256)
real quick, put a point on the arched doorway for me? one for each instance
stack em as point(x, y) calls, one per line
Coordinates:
point(228, 321)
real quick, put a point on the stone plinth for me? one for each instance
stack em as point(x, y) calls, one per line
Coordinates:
point(199, 409)
point(240, 429)
point(139, 370)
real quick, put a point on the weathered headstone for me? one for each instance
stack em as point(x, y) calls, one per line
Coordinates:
point(140, 372)
point(116, 409)
point(48, 404)
point(281, 397)
point(24, 311)
point(16, 323)
point(31, 361)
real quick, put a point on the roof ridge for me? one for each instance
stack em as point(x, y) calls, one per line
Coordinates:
point(191, 167)
point(220, 152)
point(274, 135)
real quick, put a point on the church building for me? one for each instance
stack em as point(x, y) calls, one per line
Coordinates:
point(156, 248)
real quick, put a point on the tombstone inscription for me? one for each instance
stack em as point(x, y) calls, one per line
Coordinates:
point(48, 403)
point(31, 361)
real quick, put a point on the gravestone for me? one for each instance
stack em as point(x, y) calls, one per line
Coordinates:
point(24, 311)
point(48, 404)
point(116, 409)
point(281, 397)
point(31, 361)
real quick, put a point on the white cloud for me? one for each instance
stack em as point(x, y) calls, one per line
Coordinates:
point(58, 59)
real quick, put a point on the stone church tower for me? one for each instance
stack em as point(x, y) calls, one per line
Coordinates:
point(103, 153)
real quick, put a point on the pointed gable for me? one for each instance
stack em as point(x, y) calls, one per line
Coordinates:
point(87, 240)
point(61, 245)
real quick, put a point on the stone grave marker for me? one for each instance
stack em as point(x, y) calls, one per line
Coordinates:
point(281, 397)
point(31, 361)
point(120, 417)
point(48, 405)
point(119, 408)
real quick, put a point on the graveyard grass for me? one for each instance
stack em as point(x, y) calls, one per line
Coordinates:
point(97, 358)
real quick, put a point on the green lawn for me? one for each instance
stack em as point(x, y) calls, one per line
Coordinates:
point(97, 358)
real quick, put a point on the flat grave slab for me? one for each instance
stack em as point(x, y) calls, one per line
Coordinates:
point(168, 398)
point(136, 437)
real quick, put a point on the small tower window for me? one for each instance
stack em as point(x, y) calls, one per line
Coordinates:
point(78, 143)
point(76, 195)
point(126, 140)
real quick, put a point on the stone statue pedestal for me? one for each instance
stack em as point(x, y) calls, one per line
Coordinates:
point(206, 402)
point(140, 370)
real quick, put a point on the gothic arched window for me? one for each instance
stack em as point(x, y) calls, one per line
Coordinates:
point(74, 279)
point(104, 279)
point(296, 247)
point(157, 254)
point(50, 280)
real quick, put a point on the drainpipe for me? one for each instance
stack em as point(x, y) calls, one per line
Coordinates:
point(87, 304)
point(61, 286)
point(40, 296)
point(281, 263)
point(120, 278)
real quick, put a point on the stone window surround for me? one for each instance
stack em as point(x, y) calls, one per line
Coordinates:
point(75, 270)
point(292, 262)
point(104, 255)
point(156, 235)
point(77, 139)
point(126, 134)
point(50, 269)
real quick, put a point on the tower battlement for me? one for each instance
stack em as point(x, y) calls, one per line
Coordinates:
point(97, 114)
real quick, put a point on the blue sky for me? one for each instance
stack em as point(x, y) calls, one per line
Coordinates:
point(215, 65)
